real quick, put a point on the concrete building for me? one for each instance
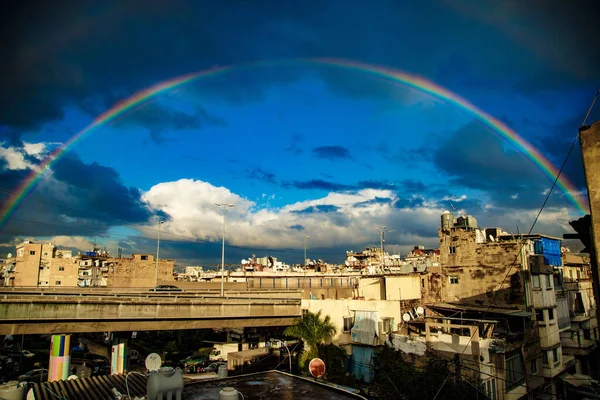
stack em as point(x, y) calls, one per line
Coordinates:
point(44, 265)
point(581, 337)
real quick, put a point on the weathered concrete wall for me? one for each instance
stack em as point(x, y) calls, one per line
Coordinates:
point(473, 271)
point(65, 271)
point(135, 272)
point(50, 314)
point(590, 151)
point(403, 287)
point(338, 309)
point(372, 288)
point(27, 267)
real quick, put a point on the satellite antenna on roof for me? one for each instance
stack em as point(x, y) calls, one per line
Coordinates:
point(452, 207)
point(153, 362)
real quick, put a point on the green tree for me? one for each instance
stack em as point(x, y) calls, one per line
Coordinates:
point(313, 331)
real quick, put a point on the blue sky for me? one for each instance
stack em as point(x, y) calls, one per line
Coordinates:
point(300, 149)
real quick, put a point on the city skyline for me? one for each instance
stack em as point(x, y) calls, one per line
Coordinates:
point(300, 148)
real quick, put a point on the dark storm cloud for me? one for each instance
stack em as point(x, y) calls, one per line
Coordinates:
point(321, 208)
point(331, 152)
point(376, 200)
point(76, 199)
point(260, 174)
point(99, 188)
point(409, 202)
point(163, 123)
point(320, 184)
point(294, 147)
point(297, 227)
point(474, 158)
point(60, 53)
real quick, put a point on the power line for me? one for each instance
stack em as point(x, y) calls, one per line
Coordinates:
point(530, 230)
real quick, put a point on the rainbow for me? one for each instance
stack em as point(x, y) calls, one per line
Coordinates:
point(409, 80)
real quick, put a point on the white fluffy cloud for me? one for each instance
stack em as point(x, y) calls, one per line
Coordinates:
point(191, 205)
point(15, 157)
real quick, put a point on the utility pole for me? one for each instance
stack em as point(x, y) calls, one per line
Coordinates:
point(305, 238)
point(225, 207)
point(382, 231)
point(159, 223)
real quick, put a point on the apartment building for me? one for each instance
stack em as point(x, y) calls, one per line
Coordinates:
point(44, 265)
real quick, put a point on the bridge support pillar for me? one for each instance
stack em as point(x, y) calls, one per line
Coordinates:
point(60, 357)
point(118, 359)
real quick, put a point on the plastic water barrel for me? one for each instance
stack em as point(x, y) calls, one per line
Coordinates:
point(13, 390)
point(222, 372)
point(228, 393)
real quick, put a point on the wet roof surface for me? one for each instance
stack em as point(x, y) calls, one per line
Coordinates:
point(266, 386)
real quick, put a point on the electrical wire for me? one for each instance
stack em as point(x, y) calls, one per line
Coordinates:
point(45, 386)
point(530, 230)
point(127, 376)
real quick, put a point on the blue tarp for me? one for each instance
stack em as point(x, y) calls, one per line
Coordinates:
point(550, 249)
point(362, 363)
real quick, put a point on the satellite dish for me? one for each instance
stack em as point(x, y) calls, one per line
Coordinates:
point(153, 362)
point(406, 317)
point(316, 367)
point(420, 311)
point(9, 255)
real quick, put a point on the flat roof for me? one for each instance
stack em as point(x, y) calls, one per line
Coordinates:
point(270, 385)
point(488, 310)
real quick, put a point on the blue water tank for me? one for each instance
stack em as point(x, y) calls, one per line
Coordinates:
point(550, 249)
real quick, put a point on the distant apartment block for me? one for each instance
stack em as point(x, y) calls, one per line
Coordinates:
point(44, 265)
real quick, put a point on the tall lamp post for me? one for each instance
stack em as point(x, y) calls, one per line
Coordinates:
point(382, 231)
point(305, 239)
point(288, 351)
point(159, 223)
point(225, 206)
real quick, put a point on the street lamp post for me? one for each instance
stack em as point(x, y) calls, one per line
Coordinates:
point(382, 230)
point(288, 351)
point(225, 206)
point(159, 223)
point(305, 238)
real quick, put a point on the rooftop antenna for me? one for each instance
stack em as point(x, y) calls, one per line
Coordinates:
point(452, 207)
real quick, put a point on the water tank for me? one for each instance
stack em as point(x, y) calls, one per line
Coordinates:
point(166, 383)
point(13, 390)
point(222, 371)
point(228, 393)
point(471, 222)
point(447, 220)
point(461, 222)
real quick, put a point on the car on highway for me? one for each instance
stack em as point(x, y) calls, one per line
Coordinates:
point(35, 375)
point(214, 367)
point(195, 363)
point(166, 288)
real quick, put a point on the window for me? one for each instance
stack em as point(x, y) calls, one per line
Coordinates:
point(386, 325)
point(539, 315)
point(550, 314)
point(144, 257)
point(61, 268)
point(452, 249)
point(555, 356)
point(32, 252)
point(304, 312)
point(57, 283)
point(545, 357)
point(85, 273)
point(548, 281)
point(422, 283)
point(536, 281)
point(348, 323)
point(534, 369)
point(586, 334)
point(514, 371)
point(453, 280)
point(45, 254)
point(491, 389)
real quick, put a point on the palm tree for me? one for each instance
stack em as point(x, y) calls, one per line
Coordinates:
point(312, 331)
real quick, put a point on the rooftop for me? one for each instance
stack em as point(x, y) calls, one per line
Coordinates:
point(266, 386)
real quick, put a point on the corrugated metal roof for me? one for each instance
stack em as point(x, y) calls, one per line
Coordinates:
point(95, 388)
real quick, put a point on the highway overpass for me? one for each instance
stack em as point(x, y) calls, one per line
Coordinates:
point(42, 311)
